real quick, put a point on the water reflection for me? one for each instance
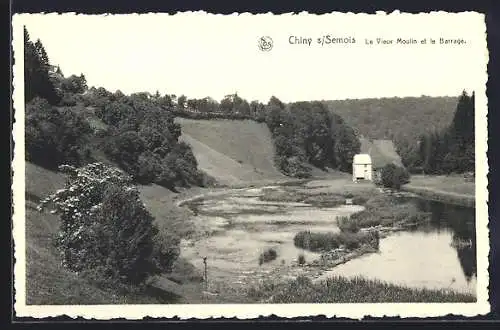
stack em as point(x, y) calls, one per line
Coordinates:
point(461, 222)
point(438, 254)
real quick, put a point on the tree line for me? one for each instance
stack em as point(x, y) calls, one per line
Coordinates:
point(307, 133)
point(445, 151)
point(141, 137)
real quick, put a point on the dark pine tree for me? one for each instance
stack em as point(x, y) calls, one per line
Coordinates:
point(36, 74)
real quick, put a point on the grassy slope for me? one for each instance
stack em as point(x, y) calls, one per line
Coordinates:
point(232, 151)
point(47, 282)
point(235, 151)
point(381, 152)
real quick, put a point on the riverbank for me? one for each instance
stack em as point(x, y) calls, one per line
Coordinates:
point(447, 189)
point(339, 289)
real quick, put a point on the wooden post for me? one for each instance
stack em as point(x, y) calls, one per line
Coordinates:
point(205, 274)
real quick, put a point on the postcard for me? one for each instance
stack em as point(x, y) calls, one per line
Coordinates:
point(203, 165)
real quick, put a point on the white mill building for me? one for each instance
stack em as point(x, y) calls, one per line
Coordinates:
point(362, 167)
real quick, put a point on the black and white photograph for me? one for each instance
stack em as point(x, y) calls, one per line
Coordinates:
point(199, 165)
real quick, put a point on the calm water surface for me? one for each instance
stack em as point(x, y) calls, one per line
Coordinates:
point(427, 256)
point(239, 227)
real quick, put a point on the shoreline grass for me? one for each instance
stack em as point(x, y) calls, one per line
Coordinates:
point(339, 289)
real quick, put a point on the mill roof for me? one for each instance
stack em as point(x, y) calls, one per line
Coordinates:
point(362, 159)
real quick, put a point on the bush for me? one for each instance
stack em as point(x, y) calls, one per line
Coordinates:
point(359, 200)
point(166, 250)
point(144, 141)
point(105, 227)
point(54, 137)
point(292, 166)
point(149, 167)
point(394, 177)
point(268, 255)
point(125, 149)
point(69, 100)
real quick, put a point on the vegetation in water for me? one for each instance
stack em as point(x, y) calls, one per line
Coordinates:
point(346, 224)
point(301, 259)
point(328, 241)
point(269, 254)
point(350, 290)
point(385, 211)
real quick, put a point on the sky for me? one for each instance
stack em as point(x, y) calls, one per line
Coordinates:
point(199, 54)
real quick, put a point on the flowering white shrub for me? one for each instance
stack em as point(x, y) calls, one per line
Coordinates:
point(105, 227)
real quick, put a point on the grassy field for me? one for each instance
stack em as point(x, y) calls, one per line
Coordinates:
point(450, 189)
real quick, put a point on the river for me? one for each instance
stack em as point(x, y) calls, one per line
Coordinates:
point(238, 226)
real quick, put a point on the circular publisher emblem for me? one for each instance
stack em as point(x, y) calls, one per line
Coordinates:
point(265, 44)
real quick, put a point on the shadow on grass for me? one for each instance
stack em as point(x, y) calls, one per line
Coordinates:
point(164, 296)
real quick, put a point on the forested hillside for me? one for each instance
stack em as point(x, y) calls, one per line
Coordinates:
point(396, 118)
point(432, 134)
point(449, 150)
point(136, 133)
